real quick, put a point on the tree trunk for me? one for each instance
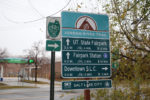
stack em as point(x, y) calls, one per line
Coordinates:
point(35, 73)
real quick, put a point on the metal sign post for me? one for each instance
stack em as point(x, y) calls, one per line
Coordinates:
point(52, 75)
point(87, 95)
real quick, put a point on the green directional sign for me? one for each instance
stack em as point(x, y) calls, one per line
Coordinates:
point(85, 45)
point(82, 57)
point(86, 70)
point(52, 45)
point(86, 84)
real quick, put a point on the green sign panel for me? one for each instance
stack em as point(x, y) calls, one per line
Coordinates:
point(52, 45)
point(16, 60)
point(86, 70)
point(85, 44)
point(82, 57)
point(53, 28)
point(86, 84)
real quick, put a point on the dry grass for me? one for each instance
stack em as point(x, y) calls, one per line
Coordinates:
point(4, 86)
point(33, 82)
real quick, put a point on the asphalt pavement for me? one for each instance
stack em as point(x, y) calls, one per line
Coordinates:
point(41, 92)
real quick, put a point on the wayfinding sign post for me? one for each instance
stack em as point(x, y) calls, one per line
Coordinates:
point(53, 44)
point(85, 45)
point(85, 50)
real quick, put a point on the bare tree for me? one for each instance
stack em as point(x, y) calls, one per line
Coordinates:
point(35, 53)
point(3, 53)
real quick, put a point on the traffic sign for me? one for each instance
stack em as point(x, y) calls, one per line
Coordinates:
point(53, 29)
point(86, 70)
point(85, 45)
point(82, 57)
point(86, 84)
point(52, 45)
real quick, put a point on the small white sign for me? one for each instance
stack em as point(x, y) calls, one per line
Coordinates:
point(53, 28)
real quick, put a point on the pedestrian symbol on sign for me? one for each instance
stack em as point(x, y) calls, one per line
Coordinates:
point(86, 23)
point(105, 55)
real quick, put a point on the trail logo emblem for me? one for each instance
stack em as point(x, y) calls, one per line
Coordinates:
point(86, 23)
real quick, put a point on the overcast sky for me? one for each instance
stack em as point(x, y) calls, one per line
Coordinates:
point(18, 28)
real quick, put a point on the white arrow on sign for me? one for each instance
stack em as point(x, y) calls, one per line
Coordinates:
point(105, 68)
point(87, 84)
point(67, 41)
point(68, 55)
point(53, 45)
point(107, 84)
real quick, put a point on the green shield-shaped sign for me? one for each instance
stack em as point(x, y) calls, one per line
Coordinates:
point(54, 29)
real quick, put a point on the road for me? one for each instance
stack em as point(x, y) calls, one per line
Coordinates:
point(40, 93)
point(37, 94)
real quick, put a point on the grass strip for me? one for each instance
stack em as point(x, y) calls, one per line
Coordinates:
point(15, 87)
point(33, 82)
point(4, 86)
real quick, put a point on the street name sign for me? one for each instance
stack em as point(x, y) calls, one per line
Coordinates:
point(53, 28)
point(53, 45)
point(86, 84)
point(85, 45)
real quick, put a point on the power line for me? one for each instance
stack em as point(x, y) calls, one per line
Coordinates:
point(61, 9)
point(17, 22)
point(29, 1)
